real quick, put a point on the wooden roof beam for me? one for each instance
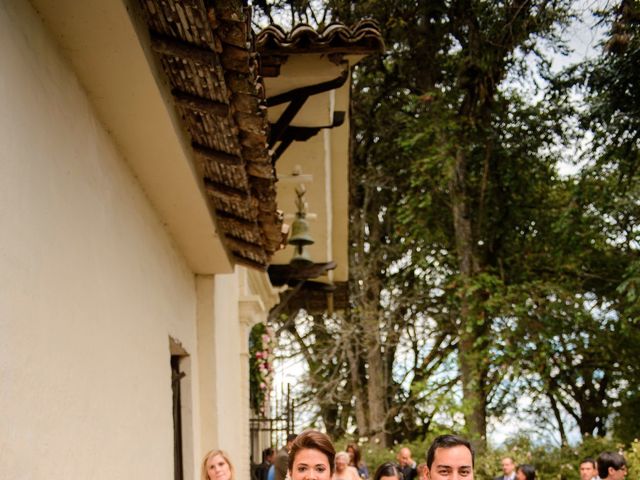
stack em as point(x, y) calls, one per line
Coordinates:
point(235, 218)
point(236, 243)
point(297, 98)
point(216, 156)
point(199, 104)
point(180, 49)
point(224, 192)
point(301, 134)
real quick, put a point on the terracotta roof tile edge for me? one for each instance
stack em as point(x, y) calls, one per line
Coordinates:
point(364, 34)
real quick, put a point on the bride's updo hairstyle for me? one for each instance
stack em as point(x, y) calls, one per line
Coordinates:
point(313, 440)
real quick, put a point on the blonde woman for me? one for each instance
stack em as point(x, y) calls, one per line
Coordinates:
point(217, 466)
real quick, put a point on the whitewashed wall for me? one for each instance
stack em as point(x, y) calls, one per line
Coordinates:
point(91, 285)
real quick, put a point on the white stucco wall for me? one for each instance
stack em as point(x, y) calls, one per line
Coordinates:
point(231, 429)
point(91, 285)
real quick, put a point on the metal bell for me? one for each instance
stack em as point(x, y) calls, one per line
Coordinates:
point(300, 232)
point(301, 257)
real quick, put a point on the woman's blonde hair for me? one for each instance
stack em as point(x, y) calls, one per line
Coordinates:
point(211, 454)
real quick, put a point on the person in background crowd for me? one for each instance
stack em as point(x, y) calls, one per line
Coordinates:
point(450, 457)
point(508, 469)
point(612, 466)
point(217, 466)
point(422, 471)
point(357, 462)
point(588, 469)
point(262, 470)
point(388, 471)
point(525, 472)
point(312, 457)
point(281, 462)
point(343, 470)
point(407, 464)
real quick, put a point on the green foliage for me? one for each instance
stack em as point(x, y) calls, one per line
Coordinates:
point(632, 456)
point(626, 422)
point(551, 463)
point(475, 262)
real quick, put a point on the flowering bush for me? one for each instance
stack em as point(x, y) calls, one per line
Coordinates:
point(261, 343)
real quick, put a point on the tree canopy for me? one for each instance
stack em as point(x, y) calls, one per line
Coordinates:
point(479, 272)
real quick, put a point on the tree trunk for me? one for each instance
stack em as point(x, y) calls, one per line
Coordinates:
point(472, 364)
point(376, 385)
point(376, 390)
point(329, 416)
point(556, 412)
point(354, 356)
point(473, 389)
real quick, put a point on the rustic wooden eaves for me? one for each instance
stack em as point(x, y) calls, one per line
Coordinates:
point(274, 45)
point(207, 54)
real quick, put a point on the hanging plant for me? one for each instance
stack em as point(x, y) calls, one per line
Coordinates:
point(261, 343)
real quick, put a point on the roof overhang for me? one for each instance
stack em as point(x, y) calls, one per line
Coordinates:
point(206, 54)
point(179, 87)
point(102, 42)
point(307, 80)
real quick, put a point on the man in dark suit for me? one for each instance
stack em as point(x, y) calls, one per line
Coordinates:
point(508, 469)
point(262, 470)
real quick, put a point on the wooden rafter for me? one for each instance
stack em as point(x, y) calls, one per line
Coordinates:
point(200, 104)
point(216, 156)
point(302, 134)
point(223, 214)
point(297, 98)
point(224, 191)
point(176, 48)
point(236, 243)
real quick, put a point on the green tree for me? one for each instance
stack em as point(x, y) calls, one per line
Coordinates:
point(577, 331)
point(390, 344)
point(610, 182)
point(465, 239)
point(473, 158)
